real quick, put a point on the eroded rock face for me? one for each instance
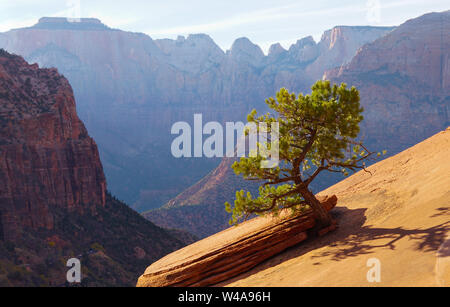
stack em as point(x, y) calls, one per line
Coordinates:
point(130, 89)
point(404, 83)
point(305, 50)
point(46, 155)
point(338, 46)
point(193, 54)
point(276, 50)
point(230, 252)
point(245, 52)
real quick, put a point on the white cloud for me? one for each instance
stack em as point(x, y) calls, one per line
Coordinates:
point(260, 16)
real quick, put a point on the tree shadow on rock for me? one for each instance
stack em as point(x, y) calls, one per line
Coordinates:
point(352, 239)
point(443, 211)
point(427, 240)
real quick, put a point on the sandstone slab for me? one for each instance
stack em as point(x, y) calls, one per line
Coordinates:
point(230, 252)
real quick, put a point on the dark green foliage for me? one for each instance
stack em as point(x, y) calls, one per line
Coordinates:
point(317, 132)
point(6, 54)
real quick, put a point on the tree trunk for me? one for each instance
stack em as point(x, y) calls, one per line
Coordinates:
point(323, 218)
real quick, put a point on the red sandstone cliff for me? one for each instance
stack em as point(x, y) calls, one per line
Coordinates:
point(46, 155)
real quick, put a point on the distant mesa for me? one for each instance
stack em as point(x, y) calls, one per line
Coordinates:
point(66, 19)
point(68, 23)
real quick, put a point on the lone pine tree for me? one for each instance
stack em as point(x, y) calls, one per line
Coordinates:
point(317, 132)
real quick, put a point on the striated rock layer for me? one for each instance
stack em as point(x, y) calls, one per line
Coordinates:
point(46, 155)
point(230, 252)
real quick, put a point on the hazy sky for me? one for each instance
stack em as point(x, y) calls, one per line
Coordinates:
point(263, 21)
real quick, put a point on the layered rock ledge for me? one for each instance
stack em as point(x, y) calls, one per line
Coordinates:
point(231, 252)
